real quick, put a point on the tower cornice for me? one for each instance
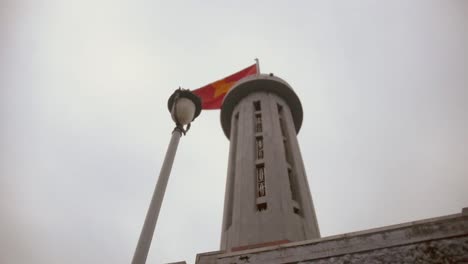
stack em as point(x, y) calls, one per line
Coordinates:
point(257, 83)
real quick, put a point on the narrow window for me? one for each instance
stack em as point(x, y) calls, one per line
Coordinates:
point(289, 160)
point(259, 145)
point(257, 106)
point(261, 188)
point(261, 206)
point(297, 210)
point(280, 113)
point(259, 153)
point(285, 135)
point(258, 123)
point(280, 108)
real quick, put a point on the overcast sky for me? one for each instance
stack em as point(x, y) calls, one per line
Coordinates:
point(84, 123)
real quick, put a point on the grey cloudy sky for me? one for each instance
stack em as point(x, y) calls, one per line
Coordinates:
point(84, 124)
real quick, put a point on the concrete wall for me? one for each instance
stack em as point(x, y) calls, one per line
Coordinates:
point(437, 240)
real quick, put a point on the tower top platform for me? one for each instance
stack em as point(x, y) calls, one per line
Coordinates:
point(260, 83)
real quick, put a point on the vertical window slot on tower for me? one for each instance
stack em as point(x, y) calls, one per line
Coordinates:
point(259, 148)
point(280, 114)
point(257, 106)
point(289, 161)
point(284, 134)
point(261, 206)
point(297, 211)
point(261, 187)
point(259, 154)
point(258, 123)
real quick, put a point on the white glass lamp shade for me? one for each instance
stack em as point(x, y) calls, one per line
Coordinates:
point(183, 111)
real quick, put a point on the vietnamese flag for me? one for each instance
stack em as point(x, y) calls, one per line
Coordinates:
point(212, 95)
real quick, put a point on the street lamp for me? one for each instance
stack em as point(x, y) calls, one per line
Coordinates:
point(184, 107)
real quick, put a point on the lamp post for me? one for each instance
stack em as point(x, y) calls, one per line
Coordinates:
point(184, 107)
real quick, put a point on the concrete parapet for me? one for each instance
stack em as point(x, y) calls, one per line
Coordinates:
point(436, 240)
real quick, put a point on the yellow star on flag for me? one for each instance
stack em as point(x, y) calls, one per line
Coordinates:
point(222, 87)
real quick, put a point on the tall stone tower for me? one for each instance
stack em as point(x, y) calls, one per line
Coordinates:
point(267, 198)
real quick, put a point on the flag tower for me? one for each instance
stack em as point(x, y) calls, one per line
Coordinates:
point(267, 199)
point(268, 202)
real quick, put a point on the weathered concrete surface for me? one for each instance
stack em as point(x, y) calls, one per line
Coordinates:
point(436, 240)
point(208, 257)
point(454, 250)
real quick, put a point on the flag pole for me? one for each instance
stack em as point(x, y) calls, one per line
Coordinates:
point(257, 64)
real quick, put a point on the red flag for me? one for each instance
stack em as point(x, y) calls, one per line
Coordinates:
point(212, 95)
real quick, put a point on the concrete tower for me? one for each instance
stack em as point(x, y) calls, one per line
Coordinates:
point(267, 198)
point(268, 201)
